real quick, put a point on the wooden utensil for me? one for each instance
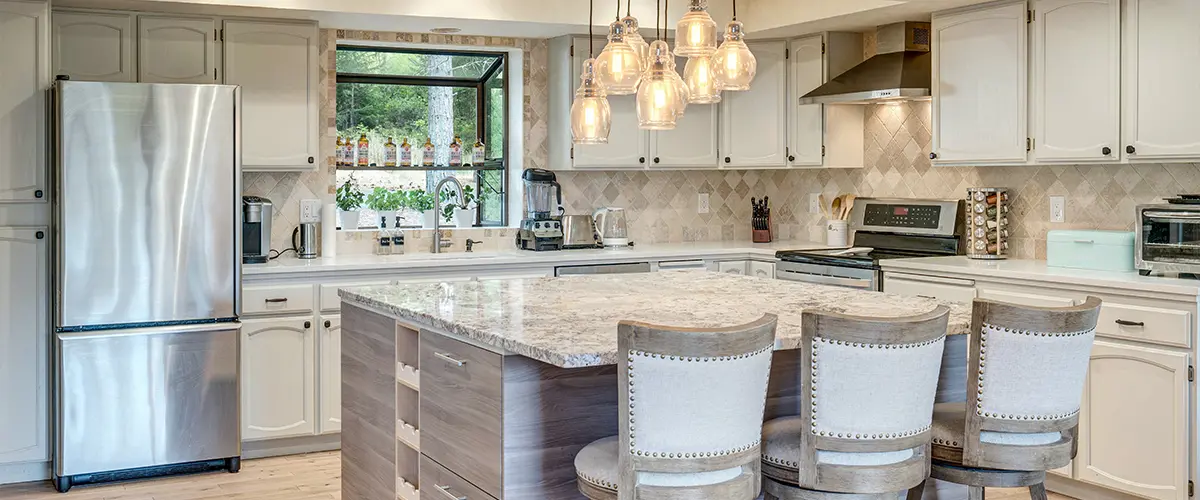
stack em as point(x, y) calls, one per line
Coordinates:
point(824, 206)
point(836, 209)
point(847, 206)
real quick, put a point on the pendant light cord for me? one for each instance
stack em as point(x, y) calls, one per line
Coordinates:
point(735, 10)
point(618, 10)
point(591, 41)
point(628, 7)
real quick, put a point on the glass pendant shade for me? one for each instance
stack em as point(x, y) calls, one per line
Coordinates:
point(636, 42)
point(701, 83)
point(681, 88)
point(734, 65)
point(696, 33)
point(618, 66)
point(591, 117)
point(658, 94)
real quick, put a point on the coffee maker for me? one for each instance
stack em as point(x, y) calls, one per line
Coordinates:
point(541, 229)
point(256, 229)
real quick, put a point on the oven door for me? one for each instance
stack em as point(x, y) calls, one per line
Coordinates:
point(849, 277)
point(1169, 239)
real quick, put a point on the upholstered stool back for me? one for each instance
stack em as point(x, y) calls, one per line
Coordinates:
point(691, 404)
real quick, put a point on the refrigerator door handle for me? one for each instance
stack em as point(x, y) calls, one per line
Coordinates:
point(153, 330)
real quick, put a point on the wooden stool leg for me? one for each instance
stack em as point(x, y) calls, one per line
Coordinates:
point(975, 493)
point(917, 492)
point(1038, 492)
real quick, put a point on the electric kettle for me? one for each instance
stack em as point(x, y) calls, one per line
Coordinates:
point(612, 227)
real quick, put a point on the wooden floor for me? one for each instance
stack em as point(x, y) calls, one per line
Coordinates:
point(315, 476)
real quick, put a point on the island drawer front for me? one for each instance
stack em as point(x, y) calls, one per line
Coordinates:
point(263, 300)
point(1145, 324)
point(442, 484)
point(461, 409)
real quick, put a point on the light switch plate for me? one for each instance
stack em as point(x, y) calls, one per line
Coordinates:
point(1058, 209)
point(814, 203)
point(310, 211)
point(702, 203)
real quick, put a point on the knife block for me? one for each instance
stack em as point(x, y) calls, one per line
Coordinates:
point(762, 235)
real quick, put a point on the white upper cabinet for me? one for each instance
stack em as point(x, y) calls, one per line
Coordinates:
point(276, 66)
point(1162, 51)
point(628, 146)
point(807, 127)
point(980, 104)
point(25, 337)
point(754, 123)
point(24, 79)
point(94, 46)
point(693, 143)
point(1077, 80)
point(177, 50)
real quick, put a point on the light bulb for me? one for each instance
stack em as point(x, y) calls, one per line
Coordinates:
point(591, 117)
point(702, 85)
point(636, 42)
point(734, 65)
point(658, 98)
point(682, 94)
point(696, 33)
point(618, 67)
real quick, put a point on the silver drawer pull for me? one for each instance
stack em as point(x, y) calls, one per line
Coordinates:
point(449, 359)
point(446, 491)
point(1086, 242)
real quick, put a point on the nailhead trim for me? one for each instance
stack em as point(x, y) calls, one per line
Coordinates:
point(597, 482)
point(1039, 334)
point(633, 353)
point(983, 363)
point(944, 442)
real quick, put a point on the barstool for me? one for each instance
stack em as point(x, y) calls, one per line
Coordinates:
point(866, 403)
point(691, 412)
point(1026, 370)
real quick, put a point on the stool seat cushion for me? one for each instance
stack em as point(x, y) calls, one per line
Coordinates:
point(781, 448)
point(597, 464)
point(949, 427)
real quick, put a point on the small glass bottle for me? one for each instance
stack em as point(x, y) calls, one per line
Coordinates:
point(389, 153)
point(406, 156)
point(348, 153)
point(385, 238)
point(397, 239)
point(340, 152)
point(364, 151)
point(479, 155)
point(456, 152)
point(427, 152)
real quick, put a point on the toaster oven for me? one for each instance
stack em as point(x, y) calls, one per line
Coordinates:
point(1168, 239)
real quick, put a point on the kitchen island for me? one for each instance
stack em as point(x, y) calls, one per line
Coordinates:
point(487, 389)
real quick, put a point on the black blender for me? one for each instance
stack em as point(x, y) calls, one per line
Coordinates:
point(541, 229)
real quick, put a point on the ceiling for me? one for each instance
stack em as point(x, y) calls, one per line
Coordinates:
point(548, 18)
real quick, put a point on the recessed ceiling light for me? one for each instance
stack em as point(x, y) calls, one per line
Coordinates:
point(446, 31)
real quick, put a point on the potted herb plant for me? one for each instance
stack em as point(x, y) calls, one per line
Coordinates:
point(422, 202)
point(464, 216)
point(385, 202)
point(349, 201)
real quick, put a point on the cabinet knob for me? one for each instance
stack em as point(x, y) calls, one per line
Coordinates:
point(1130, 149)
point(38, 194)
point(311, 160)
point(307, 324)
point(327, 323)
point(932, 156)
point(791, 157)
point(40, 235)
point(1106, 151)
point(728, 160)
point(656, 160)
point(642, 160)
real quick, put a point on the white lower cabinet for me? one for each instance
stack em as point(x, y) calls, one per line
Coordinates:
point(732, 267)
point(24, 345)
point(331, 374)
point(278, 378)
point(1133, 427)
point(1026, 298)
point(912, 285)
point(761, 269)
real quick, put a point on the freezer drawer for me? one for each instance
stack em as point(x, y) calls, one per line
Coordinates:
point(146, 397)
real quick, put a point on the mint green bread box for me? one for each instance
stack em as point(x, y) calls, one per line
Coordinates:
point(1090, 249)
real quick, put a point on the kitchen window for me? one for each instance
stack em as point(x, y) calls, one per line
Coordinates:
point(410, 95)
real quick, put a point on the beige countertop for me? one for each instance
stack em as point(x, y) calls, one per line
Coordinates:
point(1037, 270)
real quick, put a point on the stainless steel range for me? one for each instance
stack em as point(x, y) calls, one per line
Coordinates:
point(883, 229)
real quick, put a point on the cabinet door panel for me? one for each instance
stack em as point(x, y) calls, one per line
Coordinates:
point(94, 46)
point(24, 342)
point(1026, 299)
point(980, 86)
point(754, 122)
point(277, 378)
point(732, 267)
point(628, 146)
point(25, 59)
point(177, 50)
point(1160, 36)
point(276, 66)
point(331, 374)
point(807, 121)
point(1077, 80)
point(1133, 433)
point(693, 143)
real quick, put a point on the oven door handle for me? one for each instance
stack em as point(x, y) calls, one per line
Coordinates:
point(1171, 215)
point(828, 280)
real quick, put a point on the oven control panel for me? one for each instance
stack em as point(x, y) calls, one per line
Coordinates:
point(932, 217)
point(902, 216)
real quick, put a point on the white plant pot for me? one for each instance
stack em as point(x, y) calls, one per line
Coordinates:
point(464, 217)
point(428, 219)
point(349, 219)
point(389, 216)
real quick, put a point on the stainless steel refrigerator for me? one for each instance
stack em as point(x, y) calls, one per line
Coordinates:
point(147, 193)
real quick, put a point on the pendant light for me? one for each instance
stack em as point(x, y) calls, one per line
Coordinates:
point(681, 88)
point(696, 33)
point(659, 97)
point(591, 116)
point(734, 65)
point(701, 82)
point(618, 67)
point(634, 38)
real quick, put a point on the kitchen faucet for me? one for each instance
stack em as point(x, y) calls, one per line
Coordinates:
point(437, 211)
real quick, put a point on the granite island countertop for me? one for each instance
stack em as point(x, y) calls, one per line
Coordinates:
point(572, 321)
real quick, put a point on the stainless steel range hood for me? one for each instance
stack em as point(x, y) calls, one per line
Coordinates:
point(900, 70)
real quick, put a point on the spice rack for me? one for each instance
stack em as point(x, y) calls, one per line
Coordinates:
point(987, 223)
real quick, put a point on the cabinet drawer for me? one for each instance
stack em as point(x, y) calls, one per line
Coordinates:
point(329, 293)
point(441, 484)
point(1145, 324)
point(941, 289)
point(1027, 299)
point(461, 409)
point(277, 299)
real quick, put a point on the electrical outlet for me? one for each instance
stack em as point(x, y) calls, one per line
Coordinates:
point(310, 211)
point(814, 203)
point(702, 203)
point(1058, 209)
